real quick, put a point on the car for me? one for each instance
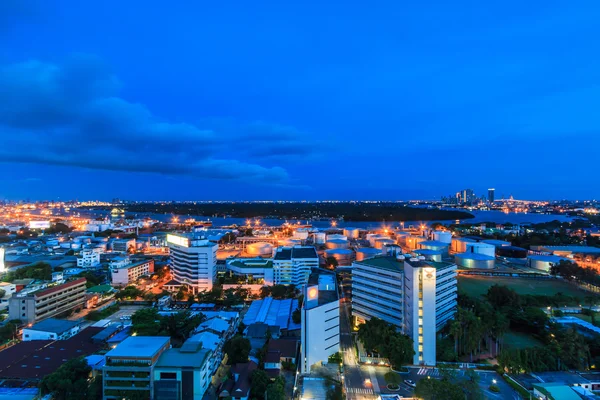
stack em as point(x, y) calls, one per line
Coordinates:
point(125, 317)
point(410, 383)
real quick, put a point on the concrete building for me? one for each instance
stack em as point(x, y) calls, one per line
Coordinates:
point(51, 329)
point(9, 290)
point(320, 335)
point(193, 262)
point(183, 374)
point(123, 245)
point(35, 306)
point(88, 258)
point(417, 296)
point(292, 265)
point(129, 368)
point(256, 269)
point(130, 273)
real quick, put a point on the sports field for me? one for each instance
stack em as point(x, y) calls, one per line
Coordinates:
point(518, 340)
point(479, 285)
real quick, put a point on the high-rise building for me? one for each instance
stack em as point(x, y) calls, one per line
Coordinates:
point(491, 195)
point(320, 334)
point(417, 296)
point(193, 262)
point(292, 265)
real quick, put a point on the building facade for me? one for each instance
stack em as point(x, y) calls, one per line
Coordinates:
point(129, 368)
point(88, 259)
point(124, 275)
point(36, 306)
point(292, 265)
point(256, 270)
point(193, 262)
point(417, 296)
point(320, 334)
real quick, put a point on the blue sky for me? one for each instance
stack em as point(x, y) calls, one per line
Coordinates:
point(298, 100)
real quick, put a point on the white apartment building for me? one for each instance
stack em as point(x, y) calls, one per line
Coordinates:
point(417, 296)
point(292, 265)
point(320, 333)
point(193, 262)
point(88, 258)
point(129, 273)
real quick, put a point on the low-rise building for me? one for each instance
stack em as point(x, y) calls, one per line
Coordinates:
point(124, 245)
point(88, 258)
point(320, 316)
point(238, 387)
point(9, 289)
point(254, 270)
point(292, 265)
point(184, 373)
point(35, 306)
point(129, 273)
point(129, 368)
point(51, 329)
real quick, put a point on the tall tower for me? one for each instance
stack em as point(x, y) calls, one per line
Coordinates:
point(491, 195)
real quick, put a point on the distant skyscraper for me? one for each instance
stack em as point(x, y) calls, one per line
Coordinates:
point(491, 195)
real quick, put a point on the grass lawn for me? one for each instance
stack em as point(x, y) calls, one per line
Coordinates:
point(518, 340)
point(479, 285)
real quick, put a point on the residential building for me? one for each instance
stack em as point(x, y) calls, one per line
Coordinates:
point(193, 262)
point(184, 373)
point(254, 270)
point(119, 261)
point(130, 273)
point(238, 387)
point(9, 289)
point(280, 351)
point(292, 265)
point(51, 329)
point(129, 368)
point(88, 258)
point(320, 316)
point(417, 296)
point(31, 307)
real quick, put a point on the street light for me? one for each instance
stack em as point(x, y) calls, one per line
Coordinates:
point(494, 381)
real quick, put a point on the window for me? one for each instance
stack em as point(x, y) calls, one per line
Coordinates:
point(168, 375)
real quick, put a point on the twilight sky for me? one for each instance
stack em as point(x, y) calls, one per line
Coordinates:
point(298, 100)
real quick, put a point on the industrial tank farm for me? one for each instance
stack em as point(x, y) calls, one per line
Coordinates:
point(475, 261)
point(343, 256)
point(366, 252)
point(431, 255)
point(336, 244)
point(260, 249)
point(351, 233)
point(544, 262)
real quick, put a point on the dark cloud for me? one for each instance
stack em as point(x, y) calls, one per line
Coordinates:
point(71, 115)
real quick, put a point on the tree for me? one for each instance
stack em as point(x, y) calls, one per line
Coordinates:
point(146, 322)
point(129, 293)
point(276, 390)
point(392, 378)
point(334, 392)
point(501, 296)
point(433, 389)
point(69, 381)
point(399, 350)
point(296, 316)
point(259, 380)
point(237, 350)
point(331, 262)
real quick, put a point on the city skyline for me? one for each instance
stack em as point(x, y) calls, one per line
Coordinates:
point(282, 102)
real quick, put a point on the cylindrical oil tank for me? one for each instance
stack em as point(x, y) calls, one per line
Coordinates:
point(336, 237)
point(336, 244)
point(481, 248)
point(412, 242)
point(351, 233)
point(290, 242)
point(320, 237)
point(301, 234)
point(344, 257)
point(442, 236)
point(366, 252)
point(543, 262)
point(380, 242)
point(260, 249)
point(434, 245)
point(497, 243)
point(391, 249)
point(475, 260)
point(511, 252)
point(401, 237)
point(372, 237)
point(431, 255)
point(459, 244)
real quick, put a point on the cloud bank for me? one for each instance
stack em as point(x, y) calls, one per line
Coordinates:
point(71, 114)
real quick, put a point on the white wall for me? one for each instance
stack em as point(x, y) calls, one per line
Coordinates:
point(320, 334)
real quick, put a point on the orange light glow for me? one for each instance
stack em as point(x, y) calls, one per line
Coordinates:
point(312, 293)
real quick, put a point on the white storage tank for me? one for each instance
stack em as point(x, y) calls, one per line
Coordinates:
point(497, 243)
point(336, 244)
point(475, 260)
point(372, 237)
point(381, 242)
point(301, 234)
point(544, 262)
point(336, 236)
point(434, 245)
point(290, 242)
point(344, 257)
point(401, 237)
point(481, 248)
point(260, 249)
point(459, 244)
point(320, 237)
point(391, 250)
point(442, 236)
point(431, 255)
point(412, 242)
point(352, 233)
point(367, 252)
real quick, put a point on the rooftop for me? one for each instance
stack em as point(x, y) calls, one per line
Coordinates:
point(183, 357)
point(288, 253)
point(133, 264)
point(54, 325)
point(557, 391)
point(272, 312)
point(252, 263)
point(384, 262)
point(139, 346)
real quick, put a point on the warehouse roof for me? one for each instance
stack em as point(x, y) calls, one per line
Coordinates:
point(54, 325)
point(272, 312)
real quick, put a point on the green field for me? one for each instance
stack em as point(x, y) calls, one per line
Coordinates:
point(518, 340)
point(479, 285)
